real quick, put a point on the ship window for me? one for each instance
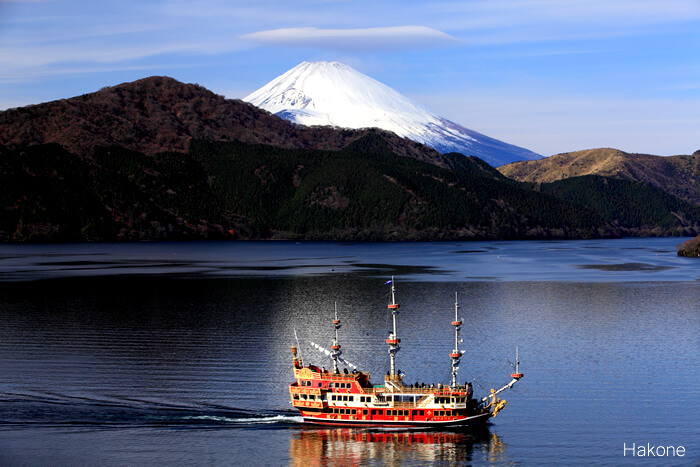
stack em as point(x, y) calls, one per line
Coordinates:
point(448, 413)
point(420, 412)
point(319, 384)
point(365, 412)
point(345, 398)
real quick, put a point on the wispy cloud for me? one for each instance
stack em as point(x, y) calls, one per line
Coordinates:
point(393, 38)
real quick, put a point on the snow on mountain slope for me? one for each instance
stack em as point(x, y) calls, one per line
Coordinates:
point(332, 93)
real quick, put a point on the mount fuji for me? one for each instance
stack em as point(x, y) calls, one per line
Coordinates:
point(335, 94)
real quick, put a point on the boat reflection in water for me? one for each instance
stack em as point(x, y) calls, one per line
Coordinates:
point(356, 446)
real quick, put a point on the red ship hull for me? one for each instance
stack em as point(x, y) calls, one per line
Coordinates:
point(475, 420)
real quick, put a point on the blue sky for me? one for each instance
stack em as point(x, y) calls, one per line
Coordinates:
point(549, 75)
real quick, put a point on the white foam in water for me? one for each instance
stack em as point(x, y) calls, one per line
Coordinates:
point(251, 420)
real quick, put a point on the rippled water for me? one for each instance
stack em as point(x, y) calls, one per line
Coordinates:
point(179, 353)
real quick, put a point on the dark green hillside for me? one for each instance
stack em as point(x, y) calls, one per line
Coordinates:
point(49, 194)
point(237, 190)
point(474, 166)
point(36, 203)
point(367, 191)
point(634, 206)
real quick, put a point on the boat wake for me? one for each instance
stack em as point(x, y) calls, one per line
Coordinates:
point(55, 410)
point(254, 420)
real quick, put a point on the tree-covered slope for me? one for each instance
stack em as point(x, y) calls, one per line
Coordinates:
point(238, 190)
point(158, 114)
point(634, 206)
point(676, 175)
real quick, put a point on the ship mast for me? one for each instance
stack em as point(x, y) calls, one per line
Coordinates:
point(456, 353)
point(393, 339)
point(335, 346)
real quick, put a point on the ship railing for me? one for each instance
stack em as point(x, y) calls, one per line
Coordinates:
point(409, 390)
point(402, 405)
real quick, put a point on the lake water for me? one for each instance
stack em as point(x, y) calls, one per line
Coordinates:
point(178, 353)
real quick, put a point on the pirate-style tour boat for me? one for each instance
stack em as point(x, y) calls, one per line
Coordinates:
point(349, 399)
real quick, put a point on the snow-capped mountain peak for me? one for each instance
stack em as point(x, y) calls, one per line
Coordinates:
point(333, 93)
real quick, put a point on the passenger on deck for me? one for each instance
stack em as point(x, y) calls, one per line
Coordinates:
point(345, 370)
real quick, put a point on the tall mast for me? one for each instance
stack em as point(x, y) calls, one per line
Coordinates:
point(335, 346)
point(456, 353)
point(393, 339)
point(517, 374)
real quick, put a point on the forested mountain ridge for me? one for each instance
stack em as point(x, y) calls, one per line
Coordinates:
point(161, 160)
point(676, 175)
point(235, 190)
point(159, 114)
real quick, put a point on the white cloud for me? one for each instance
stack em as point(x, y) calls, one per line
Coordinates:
point(394, 37)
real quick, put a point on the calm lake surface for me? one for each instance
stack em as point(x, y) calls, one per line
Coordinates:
point(178, 353)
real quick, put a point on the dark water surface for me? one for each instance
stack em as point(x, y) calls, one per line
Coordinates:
point(178, 353)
